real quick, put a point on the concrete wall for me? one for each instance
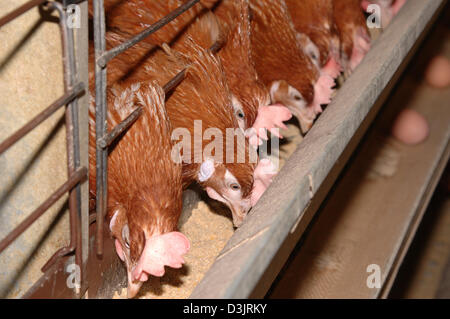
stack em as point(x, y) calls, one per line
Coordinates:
point(31, 77)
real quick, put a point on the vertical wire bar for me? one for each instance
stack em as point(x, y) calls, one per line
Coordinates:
point(73, 122)
point(72, 137)
point(81, 51)
point(100, 121)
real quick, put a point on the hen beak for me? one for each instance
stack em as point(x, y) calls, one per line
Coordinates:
point(239, 213)
point(133, 285)
point(306, 120)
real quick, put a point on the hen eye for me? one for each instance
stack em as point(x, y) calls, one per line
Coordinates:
point(297, 97)
point(235, 187)
point(125, 236)
point(240, 114)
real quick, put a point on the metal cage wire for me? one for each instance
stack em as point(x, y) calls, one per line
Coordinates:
point(73, 90)
point(76, 174)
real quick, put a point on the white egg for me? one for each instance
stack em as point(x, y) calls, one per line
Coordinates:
point(438, 72)
point(410, 127)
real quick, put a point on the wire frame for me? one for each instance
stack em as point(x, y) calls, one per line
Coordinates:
point(76, 174)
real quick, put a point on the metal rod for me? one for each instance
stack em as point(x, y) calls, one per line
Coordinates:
point(174, 81)
point(71, 182)
point(72, 135)
point(180, 76)
point(20, 10)
point(64, 251)
point(38, 119)
point(106, 140)
point(216, 46)
point(81, 52)
point(109, 138)
point(108, 55)
point(101, 128)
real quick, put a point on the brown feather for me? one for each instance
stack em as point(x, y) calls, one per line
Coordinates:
point(236, 58)
point(314, 18)
point(348, 16)
point(276, 52)
point(143, 181)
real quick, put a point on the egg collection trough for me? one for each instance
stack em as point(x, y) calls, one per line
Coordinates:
point(254, 255)
point(256, 252)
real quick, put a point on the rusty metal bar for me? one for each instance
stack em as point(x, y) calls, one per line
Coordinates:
point(180, 76)
point(72, 133)
point(38, 119)
point(71, 182)
point(216, 46)
point(108, 55)
point(81, 51)
point(20, 10)
point(109, 138)
point(174, 81)
point(106, 140)
point(101, 128)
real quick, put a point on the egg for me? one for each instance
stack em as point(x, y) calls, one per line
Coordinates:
point(410, 127)
point(437, 73)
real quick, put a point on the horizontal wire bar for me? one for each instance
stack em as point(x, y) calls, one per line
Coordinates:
point(108, 55)
point(20, 10)
point(73, 180)
point(38, 119)
point(110, 137)
point(180, 76)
